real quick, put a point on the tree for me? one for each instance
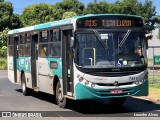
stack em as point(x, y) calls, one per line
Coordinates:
point(3, 37)
point(158, 22)
point(41, 13)
point(38, 13)
point(68, 6)
point(7, 18)
point(3, 43)
point(148, 13)
point(97, 8)
point(68, 15)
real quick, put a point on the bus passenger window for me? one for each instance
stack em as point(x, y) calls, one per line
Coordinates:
point(27, 50)
point(11, 50)
point(21, 50)
point(55, 35)
point(10, 41)
point(44, 36)
point(28, 45)
point(43, 50)
point(55, 50)
point(28, 40)
point(22, 39)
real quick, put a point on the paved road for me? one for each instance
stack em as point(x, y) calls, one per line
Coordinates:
point(11, 99)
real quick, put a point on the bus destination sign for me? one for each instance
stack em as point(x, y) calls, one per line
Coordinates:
point(109, 22)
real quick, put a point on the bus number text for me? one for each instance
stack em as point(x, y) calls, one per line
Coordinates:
point(132, 78)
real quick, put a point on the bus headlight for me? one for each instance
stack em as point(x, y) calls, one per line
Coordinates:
point(146, 76)
point(81, 79)
point(142, 80)
point(137, 82)
point(86, 82)
point(93, 84)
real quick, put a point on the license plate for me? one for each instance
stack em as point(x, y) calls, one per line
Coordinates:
point(116, 91)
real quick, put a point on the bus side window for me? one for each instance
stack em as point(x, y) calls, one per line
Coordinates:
point(10, 46)
point(44, 36)
point(55, 49)
point(22, 44)
point(43, 50)
point(28, 45)
point(55, 43)
point(43, 44)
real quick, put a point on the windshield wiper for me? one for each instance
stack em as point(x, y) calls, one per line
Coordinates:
point(124, 39)
point(100, 40)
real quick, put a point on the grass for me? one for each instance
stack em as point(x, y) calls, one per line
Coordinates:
point(154, 91)
point(150, 61)
point(156, 77)
point(3, 63)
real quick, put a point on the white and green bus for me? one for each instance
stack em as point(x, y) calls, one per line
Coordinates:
point(91, 57)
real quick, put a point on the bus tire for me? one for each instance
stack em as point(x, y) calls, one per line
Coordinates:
point(117, 102)
point(61, 101)
point(25, 90)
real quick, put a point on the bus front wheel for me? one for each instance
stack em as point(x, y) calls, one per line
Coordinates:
point(61, 101)
point(25, 90)
point(117, 101)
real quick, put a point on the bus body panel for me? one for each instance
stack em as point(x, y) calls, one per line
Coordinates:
point(46, 73)
point(25, 66)
point(10, 69)
point(44, 76)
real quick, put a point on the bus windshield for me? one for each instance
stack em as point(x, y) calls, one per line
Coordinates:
point(109, 49)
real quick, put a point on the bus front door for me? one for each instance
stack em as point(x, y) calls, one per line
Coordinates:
point(67, 63)
point(34, 57)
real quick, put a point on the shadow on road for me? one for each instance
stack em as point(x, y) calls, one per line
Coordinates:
point(132, 105)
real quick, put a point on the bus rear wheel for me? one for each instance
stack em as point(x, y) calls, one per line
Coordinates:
point(25, 90)
point(118, 102)
point(61, 101)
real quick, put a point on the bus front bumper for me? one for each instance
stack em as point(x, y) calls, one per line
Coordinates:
point(85, 92)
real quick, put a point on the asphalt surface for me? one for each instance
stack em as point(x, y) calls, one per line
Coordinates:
point(13, 101)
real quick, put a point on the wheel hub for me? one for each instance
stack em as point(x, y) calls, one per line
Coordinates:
point(60, 94)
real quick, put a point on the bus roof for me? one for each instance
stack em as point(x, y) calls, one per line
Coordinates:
point(62, 22)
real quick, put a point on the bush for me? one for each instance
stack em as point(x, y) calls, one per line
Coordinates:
point(3, 57)
point(3, 52)
point(3, 63)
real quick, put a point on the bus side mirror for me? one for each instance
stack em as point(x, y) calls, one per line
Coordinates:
point(146, 40)
point(72, 42)
point(146, 44)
